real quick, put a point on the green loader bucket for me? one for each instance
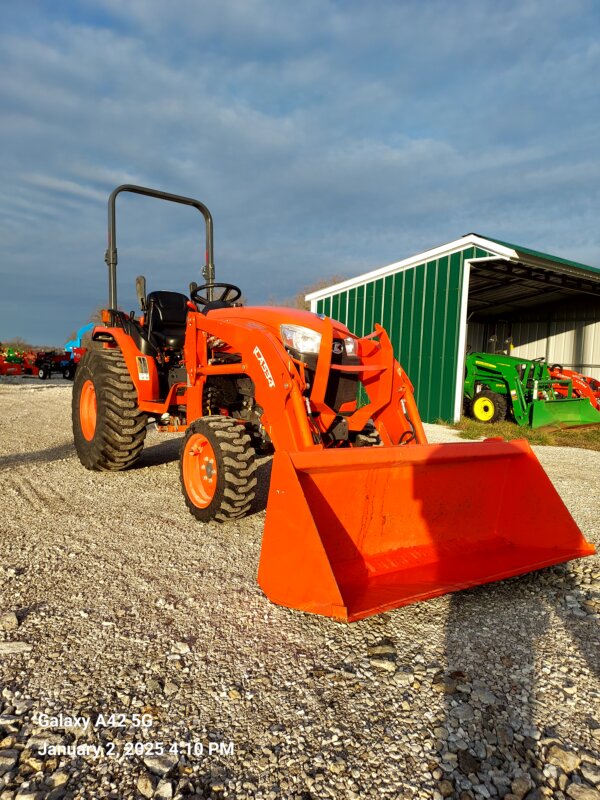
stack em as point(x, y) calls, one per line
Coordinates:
point(568, 413)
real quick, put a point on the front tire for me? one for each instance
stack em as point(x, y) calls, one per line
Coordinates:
point(217, 469)
point(488, 407)
point(108, 427)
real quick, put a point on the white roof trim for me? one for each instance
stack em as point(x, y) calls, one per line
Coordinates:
point(436, 252)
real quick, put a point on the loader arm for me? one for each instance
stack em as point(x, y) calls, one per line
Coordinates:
point(293, 421)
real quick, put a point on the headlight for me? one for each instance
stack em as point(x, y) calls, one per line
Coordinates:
point(350, 344)
point(304, 340)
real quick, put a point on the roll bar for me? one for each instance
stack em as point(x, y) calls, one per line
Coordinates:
point(110, 257)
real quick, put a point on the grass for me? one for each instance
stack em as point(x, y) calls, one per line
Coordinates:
point(587, 438)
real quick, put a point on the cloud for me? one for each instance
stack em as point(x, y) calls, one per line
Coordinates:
point(325, 136)
point(55, 185)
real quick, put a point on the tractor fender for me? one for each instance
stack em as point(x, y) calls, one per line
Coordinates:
point(142, 368)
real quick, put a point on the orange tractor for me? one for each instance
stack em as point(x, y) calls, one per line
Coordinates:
point(583, 385)
point(363, 515)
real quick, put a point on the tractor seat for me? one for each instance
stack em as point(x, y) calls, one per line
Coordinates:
point(166, 314)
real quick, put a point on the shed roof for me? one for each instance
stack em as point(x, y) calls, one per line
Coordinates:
point(495, 247)
point(526, 251)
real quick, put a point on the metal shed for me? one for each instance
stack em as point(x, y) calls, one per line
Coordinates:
point(474, 292)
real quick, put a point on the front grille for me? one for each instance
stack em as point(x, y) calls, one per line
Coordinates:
point(342, 387)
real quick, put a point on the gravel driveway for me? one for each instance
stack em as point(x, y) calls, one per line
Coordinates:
point(114, 600)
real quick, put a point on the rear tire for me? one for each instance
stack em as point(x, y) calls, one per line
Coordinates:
point(488, 407)
point(217, 469)
point(108, 427)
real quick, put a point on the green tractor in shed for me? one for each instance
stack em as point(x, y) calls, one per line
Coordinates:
point(498, 387)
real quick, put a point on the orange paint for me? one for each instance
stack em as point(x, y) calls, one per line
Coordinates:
point(199, 470)
point(88, 410)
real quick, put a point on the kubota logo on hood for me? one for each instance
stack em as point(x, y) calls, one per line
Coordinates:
point(265, 367)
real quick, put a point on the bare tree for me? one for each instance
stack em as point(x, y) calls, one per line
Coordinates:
point(96, 316)
point(298, 301)
point(17, 343)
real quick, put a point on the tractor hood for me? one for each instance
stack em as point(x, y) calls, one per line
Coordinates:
point(273, 317)
point(496, 360)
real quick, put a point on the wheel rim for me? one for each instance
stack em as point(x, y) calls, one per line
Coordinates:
point(88, 410)
point(199, 470)
point(483, 409)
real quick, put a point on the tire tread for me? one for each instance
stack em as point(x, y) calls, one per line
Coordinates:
point(120, 425)
point(235, 459)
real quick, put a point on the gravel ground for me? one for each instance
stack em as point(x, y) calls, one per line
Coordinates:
point(114, 600)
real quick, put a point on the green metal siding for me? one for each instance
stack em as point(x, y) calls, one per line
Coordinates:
point(419, 307)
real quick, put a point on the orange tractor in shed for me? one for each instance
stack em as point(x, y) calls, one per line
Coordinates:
point(583, 385)
point(363, 514)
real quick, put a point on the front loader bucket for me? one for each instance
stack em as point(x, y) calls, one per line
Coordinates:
point(568, 413)
point(353, 532)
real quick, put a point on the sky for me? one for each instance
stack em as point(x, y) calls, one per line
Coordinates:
point(327, 137)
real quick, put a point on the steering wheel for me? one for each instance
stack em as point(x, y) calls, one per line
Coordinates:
point(227, 290)
point(539, 359)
